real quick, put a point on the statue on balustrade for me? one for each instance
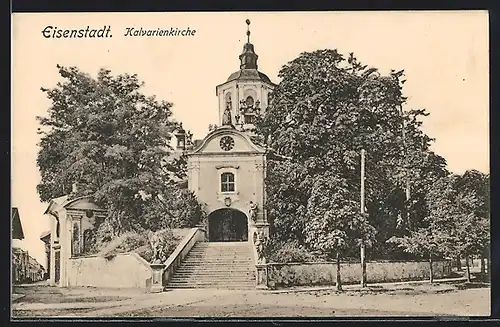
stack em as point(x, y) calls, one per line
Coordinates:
point(259, 240)
point(157, 242)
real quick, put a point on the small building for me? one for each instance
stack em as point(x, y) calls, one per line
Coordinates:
point(45, 238)
point(20, 265)
point(36, 272)
point(19, 256)
point(72, 219)
point(24, 267)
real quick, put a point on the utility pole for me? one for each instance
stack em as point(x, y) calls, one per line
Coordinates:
point(363, 246)
point(407, 170)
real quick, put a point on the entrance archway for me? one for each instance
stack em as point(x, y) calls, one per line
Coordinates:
point(227, 225)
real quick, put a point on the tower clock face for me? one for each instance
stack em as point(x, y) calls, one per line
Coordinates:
point(226, 143)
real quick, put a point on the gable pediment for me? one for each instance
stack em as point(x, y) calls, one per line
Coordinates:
point(82, 203)
point(227, 141)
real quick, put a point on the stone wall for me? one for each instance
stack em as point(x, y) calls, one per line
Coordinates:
point(127, 270)
point(307, 274)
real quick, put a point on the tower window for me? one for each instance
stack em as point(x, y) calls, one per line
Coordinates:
point(227, 182)
point(228, 101)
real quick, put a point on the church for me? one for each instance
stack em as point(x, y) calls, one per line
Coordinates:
point(226, 170)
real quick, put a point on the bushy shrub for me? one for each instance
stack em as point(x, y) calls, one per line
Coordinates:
point(126, 242)
point(139, 242)
point(288, 252)
point(145, 252)
point(132, 241)
point(104, 234)
point(170, 241)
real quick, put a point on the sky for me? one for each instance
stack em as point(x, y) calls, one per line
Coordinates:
point(444, 55)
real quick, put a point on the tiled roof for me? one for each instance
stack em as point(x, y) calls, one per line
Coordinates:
point(17, 227)
point(44, 234)
point(249, 74)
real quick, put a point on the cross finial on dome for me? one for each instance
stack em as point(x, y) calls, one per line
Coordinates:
point(248, 30)
point(248, 57)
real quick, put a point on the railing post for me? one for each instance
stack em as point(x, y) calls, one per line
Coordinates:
point(262, 276)
point(157, 279)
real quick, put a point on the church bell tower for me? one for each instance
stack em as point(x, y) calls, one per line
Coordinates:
point(227, 170)
point(244, 95)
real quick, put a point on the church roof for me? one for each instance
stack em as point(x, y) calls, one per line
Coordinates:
point(45, 235)
point(17, 227)
point(248, 64)
point(249, 75)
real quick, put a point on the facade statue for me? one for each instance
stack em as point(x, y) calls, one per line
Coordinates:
point(226, 117)
point(252, 211)
point(229, 103)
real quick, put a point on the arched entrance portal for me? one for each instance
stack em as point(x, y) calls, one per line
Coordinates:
point(227, 225)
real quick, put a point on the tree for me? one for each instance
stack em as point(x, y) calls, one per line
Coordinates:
point(459, 206)
point(113, 141)
point(334, 222)
point(323, 112)
point(424, 242)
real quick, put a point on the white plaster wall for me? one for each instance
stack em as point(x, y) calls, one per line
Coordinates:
point(125, 270)
point(249, 182)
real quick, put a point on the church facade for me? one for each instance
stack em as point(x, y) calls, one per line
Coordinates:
point(226, 170)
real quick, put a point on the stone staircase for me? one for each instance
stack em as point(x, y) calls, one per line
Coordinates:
point(226, 265)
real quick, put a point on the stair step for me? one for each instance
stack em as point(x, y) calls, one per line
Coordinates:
point(214, 263)
point(242, 287)
point(227, 277)
point(221, 255)
point(222, 265)
point(222, 244)
point(203, 269)
point(203, 258)
point(204, 285)
point(212, 283)
point(214, 269)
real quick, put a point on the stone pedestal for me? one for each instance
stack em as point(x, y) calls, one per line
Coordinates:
point(264, 227)
point(157, 280)
point(261, 276)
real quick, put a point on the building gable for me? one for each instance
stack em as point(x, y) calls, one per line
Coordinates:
point(227, 141)
point(83, 203)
